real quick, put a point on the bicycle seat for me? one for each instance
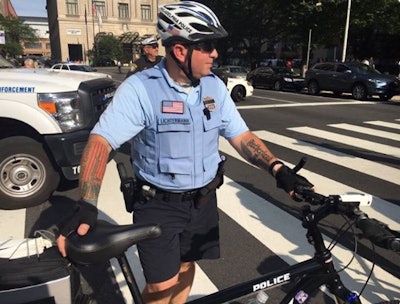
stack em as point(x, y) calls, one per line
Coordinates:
point(106, 241)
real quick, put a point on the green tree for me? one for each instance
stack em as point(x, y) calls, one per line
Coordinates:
point(107, 47)
point(255, 25)
point(15, 33)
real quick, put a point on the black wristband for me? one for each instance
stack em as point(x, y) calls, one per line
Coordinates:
point(271, 166)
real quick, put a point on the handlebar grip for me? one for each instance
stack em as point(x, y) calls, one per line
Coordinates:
point(378, 233)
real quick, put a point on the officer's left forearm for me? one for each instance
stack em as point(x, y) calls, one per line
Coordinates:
point(253, 149)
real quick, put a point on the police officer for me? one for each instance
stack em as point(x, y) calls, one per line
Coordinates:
point(149, 57)
point(174, 113)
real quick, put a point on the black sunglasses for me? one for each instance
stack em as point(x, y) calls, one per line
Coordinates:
point(153, 45)
point(205, 46)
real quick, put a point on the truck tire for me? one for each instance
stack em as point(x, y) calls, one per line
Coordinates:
point(27, 177)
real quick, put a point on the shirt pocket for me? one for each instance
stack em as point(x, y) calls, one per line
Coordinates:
point(175, 140)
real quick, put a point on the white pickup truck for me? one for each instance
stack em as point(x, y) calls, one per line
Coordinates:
point(45, 120)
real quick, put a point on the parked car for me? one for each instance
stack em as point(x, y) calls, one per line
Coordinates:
point(235, 80)
point(361, 80)
point(77, 68)
point(239, 88)
point(277, 78)
point(230, 71)
point(73, 67)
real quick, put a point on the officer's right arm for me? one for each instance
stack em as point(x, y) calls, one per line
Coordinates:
point(93, 167)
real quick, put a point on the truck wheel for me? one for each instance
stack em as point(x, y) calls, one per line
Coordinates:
point(238, 93)
point(27, 177)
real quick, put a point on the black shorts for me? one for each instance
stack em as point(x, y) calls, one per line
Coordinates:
point(188, 234)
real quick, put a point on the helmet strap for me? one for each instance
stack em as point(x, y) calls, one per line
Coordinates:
point(188, 72)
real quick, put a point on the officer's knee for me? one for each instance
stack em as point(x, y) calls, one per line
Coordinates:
point(162, 286)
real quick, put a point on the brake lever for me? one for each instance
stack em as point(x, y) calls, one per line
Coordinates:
point(300, 165)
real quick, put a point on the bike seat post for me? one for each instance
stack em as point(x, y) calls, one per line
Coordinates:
point(130, 279)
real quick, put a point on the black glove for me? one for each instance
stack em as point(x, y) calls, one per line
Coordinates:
point(287, 179)
point(83, 213)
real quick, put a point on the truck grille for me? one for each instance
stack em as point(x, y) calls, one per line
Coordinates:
point(95, 95)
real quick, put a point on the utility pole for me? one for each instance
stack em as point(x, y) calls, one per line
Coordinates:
point(346, 30)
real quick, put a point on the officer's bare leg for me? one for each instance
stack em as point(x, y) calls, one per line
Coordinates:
point(184, 284)
point(175, 290)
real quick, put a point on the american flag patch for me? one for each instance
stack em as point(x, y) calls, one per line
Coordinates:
point(173, 30)
point(175, 107)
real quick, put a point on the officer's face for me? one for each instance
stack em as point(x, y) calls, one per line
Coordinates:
point(151, 49)
point(203, 56)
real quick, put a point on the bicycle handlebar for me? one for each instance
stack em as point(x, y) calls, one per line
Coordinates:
point(375, 231)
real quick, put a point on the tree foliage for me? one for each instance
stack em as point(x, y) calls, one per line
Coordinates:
point(255, 25)
point(107, 47)
point(16, 32)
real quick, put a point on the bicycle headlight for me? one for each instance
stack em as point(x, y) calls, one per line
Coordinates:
point(64, 107)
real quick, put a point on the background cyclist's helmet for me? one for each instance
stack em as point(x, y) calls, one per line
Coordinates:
point(189, 22)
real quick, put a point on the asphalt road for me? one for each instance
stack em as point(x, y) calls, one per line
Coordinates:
point(350, 146)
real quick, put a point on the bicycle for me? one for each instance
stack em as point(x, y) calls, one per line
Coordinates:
point(108, 241)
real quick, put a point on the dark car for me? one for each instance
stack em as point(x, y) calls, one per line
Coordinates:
point(359, 79)
point(277, 78)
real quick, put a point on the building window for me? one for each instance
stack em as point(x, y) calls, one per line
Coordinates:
point(99, 8)
point(72, 7)
point(33, 45)
point(146, 12)
point(123, 12)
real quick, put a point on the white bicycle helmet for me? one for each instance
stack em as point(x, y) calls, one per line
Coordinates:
point(188, 21)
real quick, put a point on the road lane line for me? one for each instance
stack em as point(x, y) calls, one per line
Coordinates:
point(306, 104)
point(364, 166)
point(349, 140)
point(384, 124)
point(369, 131)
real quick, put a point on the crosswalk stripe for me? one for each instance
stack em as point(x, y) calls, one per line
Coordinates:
point(369, 131)
point(348, 140)
point(283, 234)
point(380, 209)
point(359, 164)
point(384, 124)
point(257, 216)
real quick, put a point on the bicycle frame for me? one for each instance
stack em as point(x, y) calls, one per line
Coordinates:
point(308, 275)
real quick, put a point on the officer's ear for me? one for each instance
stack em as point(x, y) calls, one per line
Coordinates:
point(180, 51)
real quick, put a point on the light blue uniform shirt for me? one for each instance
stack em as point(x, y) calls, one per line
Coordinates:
point(174, 139)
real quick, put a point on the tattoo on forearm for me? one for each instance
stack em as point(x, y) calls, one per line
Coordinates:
point(255, 154)
point(93, 166)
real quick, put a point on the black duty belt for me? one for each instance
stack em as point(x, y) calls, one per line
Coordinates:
point(152, 191)
point(176, 197)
